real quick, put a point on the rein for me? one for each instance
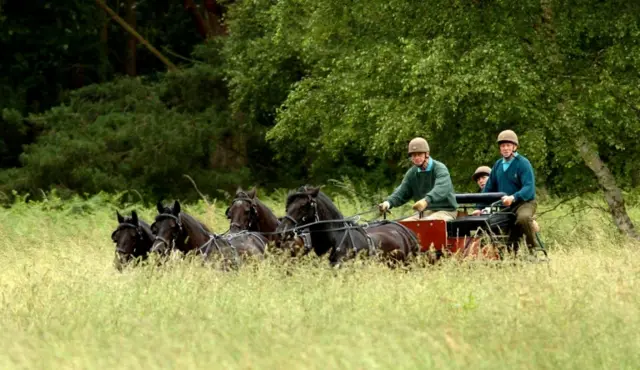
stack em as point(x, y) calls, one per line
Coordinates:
point(349, 222)
point(215, 237)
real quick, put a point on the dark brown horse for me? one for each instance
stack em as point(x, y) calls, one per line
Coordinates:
point(177, 230)
point(311, 209)
point(133, 239)
point(247, 212)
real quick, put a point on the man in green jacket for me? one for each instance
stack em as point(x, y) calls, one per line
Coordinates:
point(428, 183)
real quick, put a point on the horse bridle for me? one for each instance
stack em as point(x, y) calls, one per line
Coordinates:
point(127, 225)
point(253, 212)
point(305, 238)
point(162, 216)
point(339, 245)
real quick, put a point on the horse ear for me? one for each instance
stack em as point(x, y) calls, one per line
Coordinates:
point(120, 218)
point(314, 192)
point(252, 193)
point(134, 218)
point(176, 208)
point(160, 207)
point(239, 190)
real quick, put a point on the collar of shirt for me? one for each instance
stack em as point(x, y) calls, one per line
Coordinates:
point(504, 161)
point(429, 166)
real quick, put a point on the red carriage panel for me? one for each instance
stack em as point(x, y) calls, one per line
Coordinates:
point(430, 233)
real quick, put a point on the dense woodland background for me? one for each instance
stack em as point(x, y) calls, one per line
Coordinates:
point(281, 93)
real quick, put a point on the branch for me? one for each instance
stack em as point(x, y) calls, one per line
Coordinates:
point(558, 205)
point(170, 52)
point(196, 187)
point(128, 28)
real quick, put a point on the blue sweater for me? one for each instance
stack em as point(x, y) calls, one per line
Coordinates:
point(518, 180)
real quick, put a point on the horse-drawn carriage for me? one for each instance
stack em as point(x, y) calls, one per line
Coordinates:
point(484, 235)
point(313, 222)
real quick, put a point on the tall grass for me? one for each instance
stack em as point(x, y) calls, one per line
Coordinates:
point(63, 305)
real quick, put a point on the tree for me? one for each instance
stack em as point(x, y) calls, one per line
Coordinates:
point(594, 70)
point(549, 70)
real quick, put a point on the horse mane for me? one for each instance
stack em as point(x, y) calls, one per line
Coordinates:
point(326, 208)
point(243, 195)
point(186, 219)
point(192, 223)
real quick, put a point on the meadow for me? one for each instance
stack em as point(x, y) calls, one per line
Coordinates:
point(64, 306)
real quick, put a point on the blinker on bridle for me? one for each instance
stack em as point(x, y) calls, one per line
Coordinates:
point(163, 216)
point(253, 211)
point(126, 225)
point(294, 233)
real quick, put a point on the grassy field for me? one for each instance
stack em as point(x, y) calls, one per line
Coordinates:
point(63, 305)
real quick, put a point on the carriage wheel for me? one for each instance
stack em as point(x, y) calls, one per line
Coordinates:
point(484, 246)
point(483, 250)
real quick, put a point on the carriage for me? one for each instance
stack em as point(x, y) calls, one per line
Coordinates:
point(485, 235)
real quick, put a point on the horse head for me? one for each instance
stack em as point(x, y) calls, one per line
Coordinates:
point(309, 208)
point(243, 211)
point(301, 208)
point(167, 228)
point(133, 238)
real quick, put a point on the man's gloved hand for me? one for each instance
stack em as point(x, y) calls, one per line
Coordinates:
point(507, 200)
point(384, 206)
point(420, 205)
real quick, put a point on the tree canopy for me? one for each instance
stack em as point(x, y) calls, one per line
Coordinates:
point(295, 91)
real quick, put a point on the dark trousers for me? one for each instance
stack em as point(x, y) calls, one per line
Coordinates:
point(523, 226)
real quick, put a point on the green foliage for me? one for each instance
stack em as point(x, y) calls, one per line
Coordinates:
point(126, 135)
point(376, 75)
point(49, 48)
point(594, 76)
point(15, 131)
point(374, 88)
point(303, 91)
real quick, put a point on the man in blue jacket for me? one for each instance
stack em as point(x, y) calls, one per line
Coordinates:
point(513, 175)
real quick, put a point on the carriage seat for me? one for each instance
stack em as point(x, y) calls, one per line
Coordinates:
point(466, 225)
point(479, 198)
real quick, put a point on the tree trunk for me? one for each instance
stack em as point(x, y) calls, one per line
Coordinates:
point(125, 25)
point(104, 47)
point(214, 15)
point(201, 27)
point(77, 76)
point(132, 43)
point(612, 193)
